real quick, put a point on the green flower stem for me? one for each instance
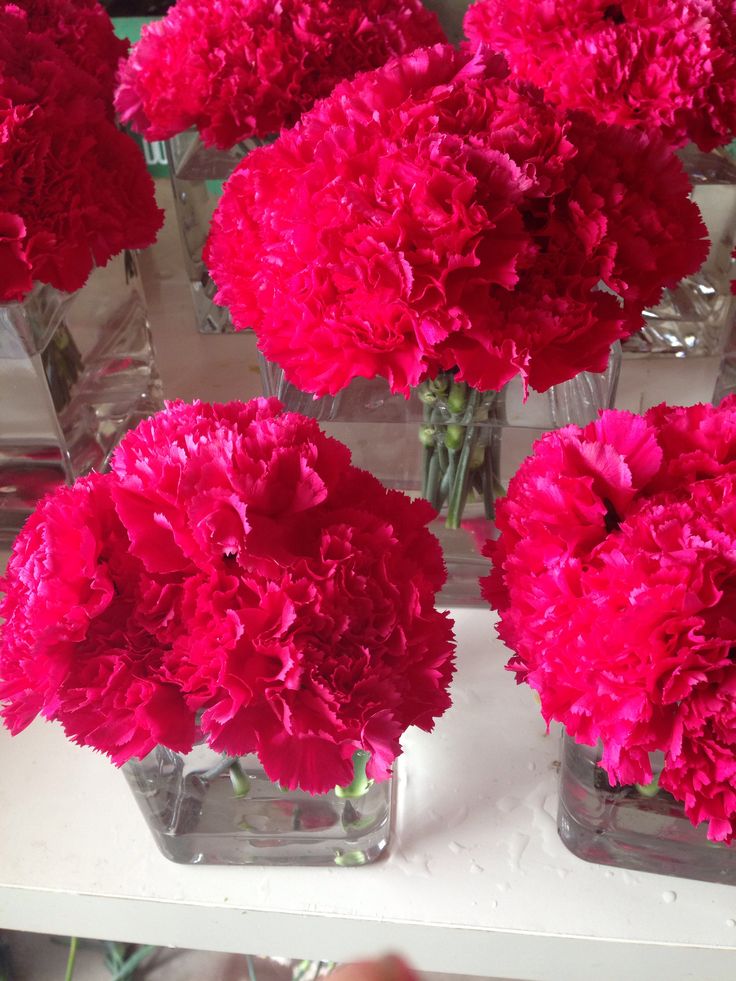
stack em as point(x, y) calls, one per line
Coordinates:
point(498, 413)
point(458, 456)
point(459, 489)
point(361, 783)
point(219, 768)
point(133, 963)
point(649, 789)
point(488, 478)
point(444, 456)
point(434, 476)
point(71, 959)
point(239, 779)
point(452, 465)
point(427, 440)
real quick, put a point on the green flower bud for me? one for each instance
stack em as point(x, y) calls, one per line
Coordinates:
point(440, 384)
point(477, 457)
point(454, 436)
point(426, 394)
point(458, 397)
point(427, 435)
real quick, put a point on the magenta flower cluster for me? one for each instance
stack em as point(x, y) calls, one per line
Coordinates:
point(668, 66)
point(74, 190)
point(436, 214)
point(234, 576)
point(615, 579)
point(242, 68)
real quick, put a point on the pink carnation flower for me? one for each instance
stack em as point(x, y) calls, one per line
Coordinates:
point(242, 68)
point(701, 762)
point(668, 66)
point(434, 214)
point(74, 190)
point(83, 30)
point(79, 645)
point(234, 567)
point(615, 580)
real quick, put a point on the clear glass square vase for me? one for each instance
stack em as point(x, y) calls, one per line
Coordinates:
point(624, 826)
point(200, 812)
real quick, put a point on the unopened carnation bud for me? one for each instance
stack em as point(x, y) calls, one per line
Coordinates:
point(458, 397)
point(427, 435)
point(454, 436)
point(477, 456)
point(440, 384)
point(426, 394)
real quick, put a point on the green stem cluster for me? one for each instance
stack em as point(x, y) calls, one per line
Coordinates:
point(460, 452)
point(241, 784)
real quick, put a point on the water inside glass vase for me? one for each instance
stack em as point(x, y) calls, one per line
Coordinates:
point(199, 813)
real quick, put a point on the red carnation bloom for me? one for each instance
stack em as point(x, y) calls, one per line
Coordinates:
point(234, 567)
point(701, 763)
point(434, 214)
point(242, 68)
point(668, 66)
point(16, 279)
point(615, 579)
point(83, 30)
point(79, 644)
point(74, 188)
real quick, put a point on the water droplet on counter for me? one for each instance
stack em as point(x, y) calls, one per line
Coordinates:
point(494, 904)
point(455, 847)
point(503, 886)
point(516, 848)
point(531, 766)
point(731, 923)
point(461, 814)
point(669, 897)
point(507, 804)
point(474, 867)
point(608, 873)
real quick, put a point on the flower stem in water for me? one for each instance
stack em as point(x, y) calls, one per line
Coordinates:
point(361, 784)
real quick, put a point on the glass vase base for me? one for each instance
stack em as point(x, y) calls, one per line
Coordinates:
point(622, 827)
point(197, 818)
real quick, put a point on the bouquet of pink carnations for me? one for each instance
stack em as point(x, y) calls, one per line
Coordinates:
point(437, 223)
point(74, 190)
point(615, 579)
point(236, 69)
point(667, 66)
point(232, 578)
